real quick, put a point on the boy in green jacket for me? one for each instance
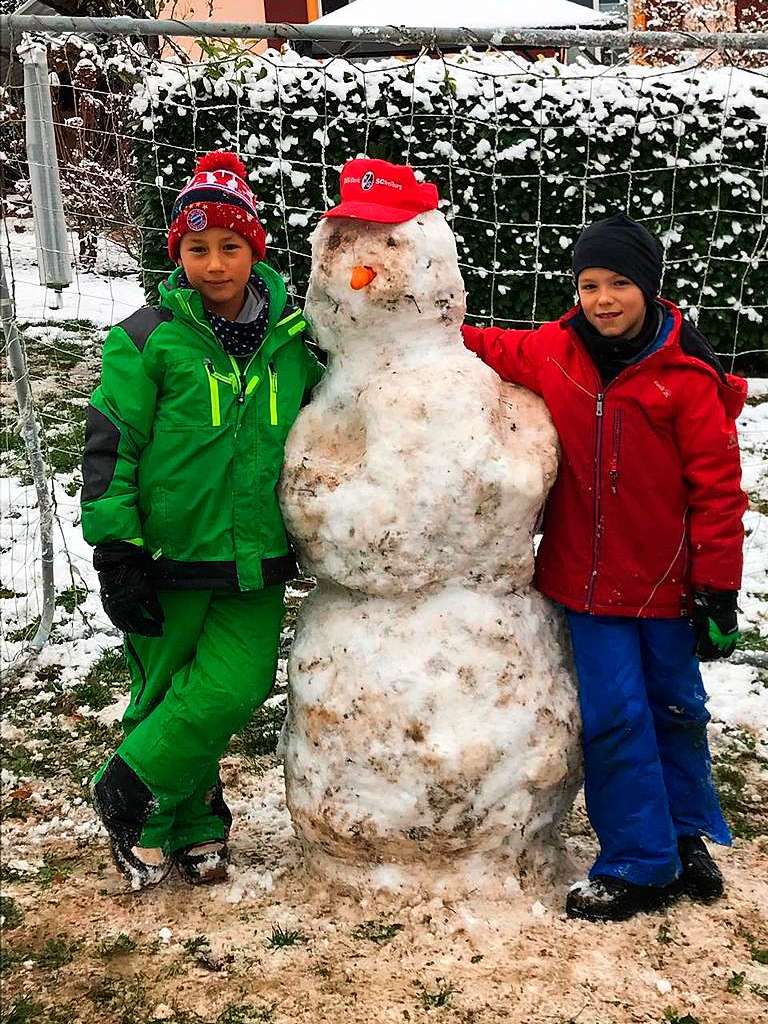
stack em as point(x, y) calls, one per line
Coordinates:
point(184, 446)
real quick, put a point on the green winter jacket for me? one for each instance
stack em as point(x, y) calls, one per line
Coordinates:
point(184, 444)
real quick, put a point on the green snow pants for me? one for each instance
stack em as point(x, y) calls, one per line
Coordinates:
point(192, 689)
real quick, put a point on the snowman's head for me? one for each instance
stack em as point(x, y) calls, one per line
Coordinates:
point(365, 272)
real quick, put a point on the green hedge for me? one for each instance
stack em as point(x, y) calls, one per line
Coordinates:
point(523, 156)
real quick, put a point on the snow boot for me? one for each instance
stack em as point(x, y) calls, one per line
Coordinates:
point(605, 898)
point(123, 803)
point(203, 863)
point(701, 878)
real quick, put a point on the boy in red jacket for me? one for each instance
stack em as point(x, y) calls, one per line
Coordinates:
point(642, 544)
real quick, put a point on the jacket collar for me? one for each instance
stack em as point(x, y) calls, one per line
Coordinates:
point(732, 389)
point(187, 303)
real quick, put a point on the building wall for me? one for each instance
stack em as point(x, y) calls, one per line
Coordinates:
point(257, 11)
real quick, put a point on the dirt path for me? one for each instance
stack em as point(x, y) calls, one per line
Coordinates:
point(277, 946)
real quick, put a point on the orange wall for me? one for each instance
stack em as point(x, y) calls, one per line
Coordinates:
point(214, 10)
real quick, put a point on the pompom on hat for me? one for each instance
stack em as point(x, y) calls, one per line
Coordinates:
point(217, 196)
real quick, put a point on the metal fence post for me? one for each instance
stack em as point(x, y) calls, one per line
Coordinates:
point(18, 364)
point(54, 266)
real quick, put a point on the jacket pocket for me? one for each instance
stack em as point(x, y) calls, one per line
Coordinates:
point(614, 463)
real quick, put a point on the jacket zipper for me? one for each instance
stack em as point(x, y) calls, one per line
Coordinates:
point(598, 496)
point(240, 378)
point(272, 394)
point(626, 372)
point(613, 473)
point(213, 386)
point(213, 383)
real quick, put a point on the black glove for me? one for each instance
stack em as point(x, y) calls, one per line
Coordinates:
point(715, 623)
point(128, 597)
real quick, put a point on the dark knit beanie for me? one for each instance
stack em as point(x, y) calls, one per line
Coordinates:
point(620, 244)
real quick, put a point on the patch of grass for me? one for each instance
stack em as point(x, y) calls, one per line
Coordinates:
point(376, 931)
point(23, 633)
point(70, 598)
point(245, 1013)
point(57, 952)
point(63, 355)
point(735, 983)
point(125, 997)
point(115, 945)
point(745, 812)
point(106, 677)
point(261, 734)
point(18, 759)
point(751, 640)
point(760, 954)
point(10, 912)
point(54, 871)
point(23, 1010)
point(281, 937)
point(196, 945)
point(49, 673)
point(9, 874)
point(664, 934)
point(671, 1016)
point(71, 487)
point(17, 808)
point(441, 996)
point(758, 503)
point(10, 958)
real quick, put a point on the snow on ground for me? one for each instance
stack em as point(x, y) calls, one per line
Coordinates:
point(274, 944)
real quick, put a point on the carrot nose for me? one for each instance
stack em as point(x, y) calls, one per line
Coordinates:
point(361, 276)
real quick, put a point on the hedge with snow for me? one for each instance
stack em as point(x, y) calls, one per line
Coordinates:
point(523, 156)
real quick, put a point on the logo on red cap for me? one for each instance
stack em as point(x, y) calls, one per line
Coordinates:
point(376, 190)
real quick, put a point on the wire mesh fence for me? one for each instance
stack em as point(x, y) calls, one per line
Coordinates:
point(524, 154)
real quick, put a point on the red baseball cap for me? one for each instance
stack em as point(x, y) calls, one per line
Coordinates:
point(380, 191)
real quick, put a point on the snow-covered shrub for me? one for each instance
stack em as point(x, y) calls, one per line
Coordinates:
point(523, 156)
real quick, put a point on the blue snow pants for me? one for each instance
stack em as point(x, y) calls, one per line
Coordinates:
point(647, 769)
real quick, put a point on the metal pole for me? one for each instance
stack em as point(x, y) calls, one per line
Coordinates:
point(395, 34)
point(18, 364)
point(53, 264)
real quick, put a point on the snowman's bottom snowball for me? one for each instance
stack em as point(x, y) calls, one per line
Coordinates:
point(431, 737)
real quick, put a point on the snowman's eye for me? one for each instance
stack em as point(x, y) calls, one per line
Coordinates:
point(392, 243)
point(334, 241)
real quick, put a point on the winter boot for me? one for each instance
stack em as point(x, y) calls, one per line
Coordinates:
point(605, 898)
point(701, 878)
point(203, 863)
point(123, 803)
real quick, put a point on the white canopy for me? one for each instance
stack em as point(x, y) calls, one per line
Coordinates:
point(459, 13)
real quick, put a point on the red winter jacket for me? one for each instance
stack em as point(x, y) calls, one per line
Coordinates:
point(647, 503)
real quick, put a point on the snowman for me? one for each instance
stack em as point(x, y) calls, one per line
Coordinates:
point(432, 736)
